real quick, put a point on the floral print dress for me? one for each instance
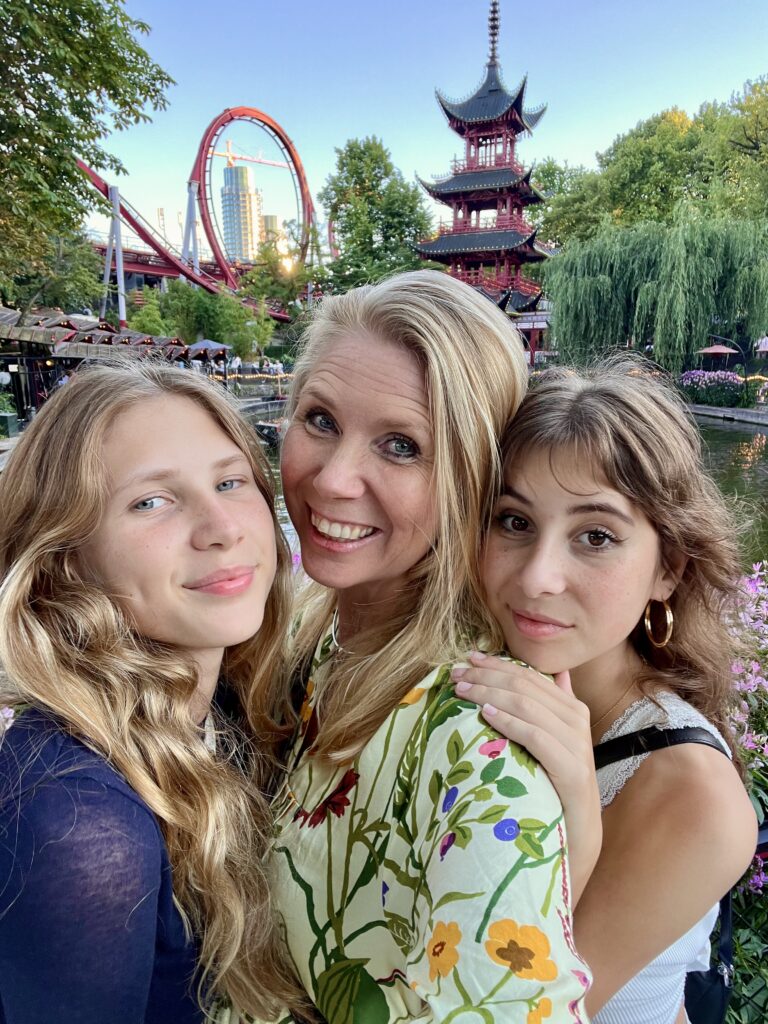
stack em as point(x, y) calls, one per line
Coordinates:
point(427, 880)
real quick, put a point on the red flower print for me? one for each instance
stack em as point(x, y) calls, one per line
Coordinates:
point(336, 803)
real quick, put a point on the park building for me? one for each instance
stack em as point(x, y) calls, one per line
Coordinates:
point(241, 207)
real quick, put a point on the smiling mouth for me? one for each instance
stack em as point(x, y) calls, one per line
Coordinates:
point(340, 531)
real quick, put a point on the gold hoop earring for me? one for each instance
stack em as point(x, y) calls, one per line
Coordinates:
point(649, 625)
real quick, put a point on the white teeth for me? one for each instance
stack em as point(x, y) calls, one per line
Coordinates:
point(340, 531)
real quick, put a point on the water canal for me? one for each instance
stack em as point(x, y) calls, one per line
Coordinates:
point(737, 455)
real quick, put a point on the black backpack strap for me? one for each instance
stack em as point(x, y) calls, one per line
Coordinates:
point(652, 738)
point(725, 942)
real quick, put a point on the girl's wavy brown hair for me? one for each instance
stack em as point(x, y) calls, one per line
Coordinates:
point(67, 648)
point(627, 422)
point(475, 375)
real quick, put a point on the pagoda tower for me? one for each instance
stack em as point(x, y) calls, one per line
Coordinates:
point(488, 240)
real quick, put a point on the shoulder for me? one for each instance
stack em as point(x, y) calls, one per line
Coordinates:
point(58, 786)
point(690, 797)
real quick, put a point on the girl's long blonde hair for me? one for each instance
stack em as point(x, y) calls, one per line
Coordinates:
point(625, 421)
point(67, 648)
point(475, 372)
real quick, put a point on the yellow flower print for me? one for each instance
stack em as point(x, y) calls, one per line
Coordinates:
point(413, 695)
point(522, 948)
point(306, 708)
point(542, 1009)
point(441, 949)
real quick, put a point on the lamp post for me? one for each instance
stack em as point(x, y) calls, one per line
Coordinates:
point(730, 341)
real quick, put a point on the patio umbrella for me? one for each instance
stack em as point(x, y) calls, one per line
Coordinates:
point(716, 350)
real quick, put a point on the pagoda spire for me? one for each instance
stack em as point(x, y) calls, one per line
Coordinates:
point(493, 32)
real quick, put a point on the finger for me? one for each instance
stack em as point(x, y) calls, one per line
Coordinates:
point(563, 681)
point(514, 667)
point(507, 685)
point(572, 732)
point(555, 757)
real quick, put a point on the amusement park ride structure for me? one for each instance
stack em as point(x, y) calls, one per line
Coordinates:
point(165, 260)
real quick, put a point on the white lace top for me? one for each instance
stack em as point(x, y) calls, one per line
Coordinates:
point(654, 996)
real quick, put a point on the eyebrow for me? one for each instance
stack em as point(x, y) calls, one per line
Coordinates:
point(602, 507)
point(159, 475)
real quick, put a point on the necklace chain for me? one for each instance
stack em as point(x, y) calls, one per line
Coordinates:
point(615, 704)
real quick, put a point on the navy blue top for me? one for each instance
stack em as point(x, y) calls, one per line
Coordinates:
point(88, 929)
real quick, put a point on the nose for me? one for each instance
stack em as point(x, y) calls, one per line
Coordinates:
point(214, 524)
point(342, 473)
point(542, 570)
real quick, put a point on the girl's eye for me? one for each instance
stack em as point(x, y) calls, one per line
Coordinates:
point(401, 447)
point(229, 485)
point(149, 504)
point(513, 523)
point(320, 420)
point(599, 538)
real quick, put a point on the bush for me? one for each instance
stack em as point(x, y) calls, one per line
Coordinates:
point(750, 995)
point(6, 402)
point(720, 388)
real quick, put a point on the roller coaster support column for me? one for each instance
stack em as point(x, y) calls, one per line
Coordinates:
point(107, 272)
point(189, 247)
point(114, 195)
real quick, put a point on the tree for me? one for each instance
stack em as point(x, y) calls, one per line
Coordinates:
point(192, 313)
point(71, 72)
point(148, 318)
point(670, 285)
point(66, 276)
point(378, 217)
point(572, 206)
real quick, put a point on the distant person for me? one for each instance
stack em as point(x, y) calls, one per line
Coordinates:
point(236, 364)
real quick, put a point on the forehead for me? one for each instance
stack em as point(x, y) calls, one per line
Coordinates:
point(365, 368)
point(562, 471)
point(160, 428)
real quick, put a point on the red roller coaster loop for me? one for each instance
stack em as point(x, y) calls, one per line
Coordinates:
point(200, 180)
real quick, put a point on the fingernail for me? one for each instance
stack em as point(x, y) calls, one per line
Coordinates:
point(463, 687)
point(477, 655)
point(458, 672)
point(489, 710)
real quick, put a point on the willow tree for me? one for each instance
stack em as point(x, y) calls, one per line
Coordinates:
point(669, 285)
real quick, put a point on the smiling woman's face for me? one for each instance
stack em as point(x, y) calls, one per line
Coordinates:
point(569, 564)
point(357, 468)
point(186, 545)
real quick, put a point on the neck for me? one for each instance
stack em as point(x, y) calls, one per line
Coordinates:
point(607, 686)
point(208, 667)
point(360, 610)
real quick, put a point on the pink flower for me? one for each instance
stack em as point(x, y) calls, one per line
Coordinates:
point(492, 748)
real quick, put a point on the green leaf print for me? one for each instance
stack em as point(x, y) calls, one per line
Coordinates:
point(459, 773)
point(493, 814)
point(452, 897)
point(530, 845)
point(509, 786)
point(483, 794)
point(492, 770)
point(401, 932)
point(435, 786)
point(523, 758)
point(531, 825)
point(347, 994)
point(463, 836)
point(455, 747)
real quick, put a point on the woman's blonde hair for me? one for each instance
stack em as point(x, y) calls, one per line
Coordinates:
point(475, 377)
point(67, 648)
point(628, 424)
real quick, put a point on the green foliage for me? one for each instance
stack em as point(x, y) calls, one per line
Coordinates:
point(71, 73)
point(6, 402)
point(377, 216)
point(65, 274)
point(717, 159)
point(193, 313)
point(667, 284)
point(147, 318)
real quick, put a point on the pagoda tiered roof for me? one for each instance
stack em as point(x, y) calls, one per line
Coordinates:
point(487, 179)
point(519, 302)
point(475, 242)
point(490, 102)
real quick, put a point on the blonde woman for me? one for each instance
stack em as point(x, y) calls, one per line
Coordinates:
point(142, 606)
point(421, 876)
point(613, 557)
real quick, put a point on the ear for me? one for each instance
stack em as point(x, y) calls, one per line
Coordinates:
point(671, 569)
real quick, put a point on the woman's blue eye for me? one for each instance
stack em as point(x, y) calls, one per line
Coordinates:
point(229, 485)
point(147, 504)
point(402, 447)
point(320, 420)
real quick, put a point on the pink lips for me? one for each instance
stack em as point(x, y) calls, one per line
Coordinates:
point(538, 626)
point(224, 582)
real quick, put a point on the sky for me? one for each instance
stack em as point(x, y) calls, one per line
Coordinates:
point(339, 70)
